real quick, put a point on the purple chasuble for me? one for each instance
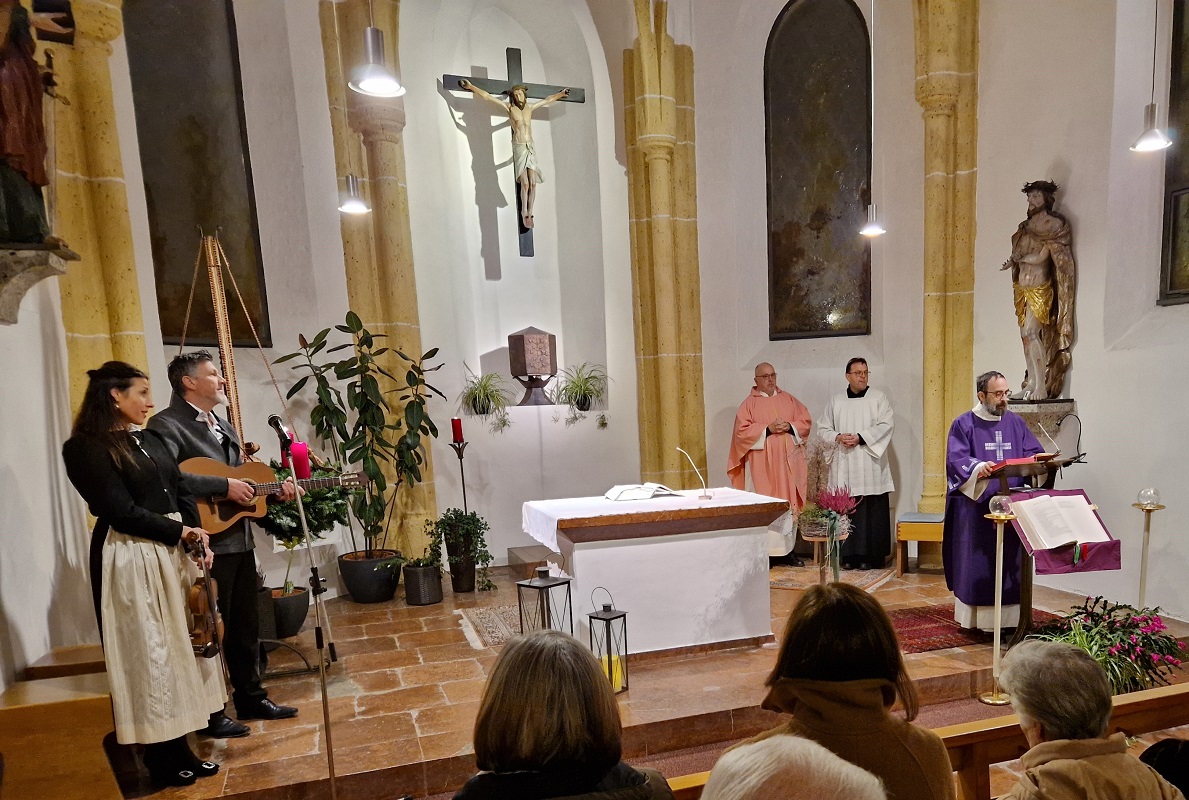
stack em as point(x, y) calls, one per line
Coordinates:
point(968, 547)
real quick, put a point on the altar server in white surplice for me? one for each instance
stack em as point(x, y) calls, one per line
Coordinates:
point(860, 421)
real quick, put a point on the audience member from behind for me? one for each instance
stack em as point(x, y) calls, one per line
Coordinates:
point(548, 726)
point(1170, 757)
point(788, 768)
point(838, 674)
point(1063, 699)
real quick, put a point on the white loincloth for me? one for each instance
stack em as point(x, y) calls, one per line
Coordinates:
point(524, 157)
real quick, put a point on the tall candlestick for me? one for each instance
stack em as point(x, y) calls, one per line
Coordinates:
point(456, 429)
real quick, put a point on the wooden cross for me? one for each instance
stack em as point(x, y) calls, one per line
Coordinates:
point(535, 90)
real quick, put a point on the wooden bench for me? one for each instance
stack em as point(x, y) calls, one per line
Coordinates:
point(51, 736)
point(915, 527)
point(974, 746)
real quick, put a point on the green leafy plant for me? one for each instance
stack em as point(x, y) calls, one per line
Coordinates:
point(1129, 643)
point(324, 509)
point(462, 532)
point(580, 388)
point(432, 555)
point(372, 442)
point(487, 395)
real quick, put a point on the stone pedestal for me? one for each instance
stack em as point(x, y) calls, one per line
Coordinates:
point(1044, 419)
point(21, 268)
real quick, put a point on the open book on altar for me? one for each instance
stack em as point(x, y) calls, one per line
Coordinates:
point(638, 491)
point(1063, 532)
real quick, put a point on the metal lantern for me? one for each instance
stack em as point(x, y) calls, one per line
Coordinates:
point(532, 360)
point(609, 643)
point(545, 603)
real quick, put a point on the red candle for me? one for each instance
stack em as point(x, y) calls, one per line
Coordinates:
point(301, 459)
point(456, 429)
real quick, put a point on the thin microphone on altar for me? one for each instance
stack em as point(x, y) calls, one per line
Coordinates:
point(706, 493)
point(1050, 438)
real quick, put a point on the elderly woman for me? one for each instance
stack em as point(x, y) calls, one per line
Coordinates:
point(788, 768)
point(838, 674)
point(1063, 699)
point(548, 726)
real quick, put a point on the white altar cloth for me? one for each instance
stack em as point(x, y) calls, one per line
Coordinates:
point(688, 571)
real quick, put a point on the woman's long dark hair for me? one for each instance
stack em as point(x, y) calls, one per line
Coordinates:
point(98, 417)
point(840, 633)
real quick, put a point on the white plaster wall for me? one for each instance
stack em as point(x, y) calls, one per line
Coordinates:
point(729, 41)
point(45, 595)
point(1048, 111)
point(473, 287)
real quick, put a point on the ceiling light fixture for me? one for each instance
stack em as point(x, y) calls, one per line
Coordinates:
point(373, 78)
point(1152, 139)
point(872, 228)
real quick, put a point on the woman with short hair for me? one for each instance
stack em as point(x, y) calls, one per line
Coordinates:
point(160, 692)
point(1063, 699)
point(548, 727)
point(788, 768)
point(838, 674)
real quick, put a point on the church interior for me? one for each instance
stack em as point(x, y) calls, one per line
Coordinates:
point(652, 242)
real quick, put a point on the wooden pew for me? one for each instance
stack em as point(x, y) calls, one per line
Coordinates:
point(975, 746)
point(51, 736)
point(79, 659)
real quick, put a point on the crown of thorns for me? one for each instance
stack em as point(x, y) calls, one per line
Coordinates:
point(520, 86)
point(1040, 186)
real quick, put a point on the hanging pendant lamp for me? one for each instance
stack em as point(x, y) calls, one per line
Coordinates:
point(872, 228)
point(1153, 138)
point(373, 78)
point(352, 200)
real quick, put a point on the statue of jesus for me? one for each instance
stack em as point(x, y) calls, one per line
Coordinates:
point(1044, 281)
point(524, 157)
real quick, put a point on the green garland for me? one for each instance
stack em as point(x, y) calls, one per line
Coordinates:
point(324, 509)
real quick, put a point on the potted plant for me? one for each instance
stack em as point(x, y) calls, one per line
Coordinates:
point(487, 395)
point(423, 575)
point(580, 388)
point(1129, 643)
point(324, 509)
point(373, 442)
point(466, 548)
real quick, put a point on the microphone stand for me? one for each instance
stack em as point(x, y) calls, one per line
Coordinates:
point(324, 643)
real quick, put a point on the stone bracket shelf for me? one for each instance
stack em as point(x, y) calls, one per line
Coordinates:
point(23, 265)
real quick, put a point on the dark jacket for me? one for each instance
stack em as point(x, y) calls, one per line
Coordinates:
point(620, 783)
point(132, 499)
point(187, 438)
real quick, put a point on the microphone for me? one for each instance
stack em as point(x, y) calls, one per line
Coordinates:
point(277, 425)
point(706, 493)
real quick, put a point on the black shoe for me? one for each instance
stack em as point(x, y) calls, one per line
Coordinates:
point(222, 726)
point(173, 777)
point(797, 561)
point(203, 769)
point(864, 566)
point(266, 709)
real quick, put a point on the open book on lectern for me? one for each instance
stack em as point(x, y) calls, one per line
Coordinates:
point(1063, 532)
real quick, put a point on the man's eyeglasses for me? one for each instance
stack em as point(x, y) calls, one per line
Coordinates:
point(998, 395)
point(767, 375)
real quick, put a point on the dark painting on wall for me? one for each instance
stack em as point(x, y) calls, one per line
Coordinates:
point(184, 61)
point(817, 106)
point(1174, 272)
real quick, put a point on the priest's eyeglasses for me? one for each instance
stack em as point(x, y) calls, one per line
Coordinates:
point(998, 395)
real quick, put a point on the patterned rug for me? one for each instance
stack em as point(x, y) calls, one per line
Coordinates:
point(922, 629)
point(490, 626)
point(782, 576)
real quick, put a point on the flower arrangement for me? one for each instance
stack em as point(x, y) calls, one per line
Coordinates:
point(1129, 643)
point(830, 512)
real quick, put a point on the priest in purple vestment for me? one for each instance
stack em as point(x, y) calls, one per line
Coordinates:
point(987, 434)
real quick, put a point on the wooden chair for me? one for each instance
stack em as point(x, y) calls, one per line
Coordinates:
point(915, 527)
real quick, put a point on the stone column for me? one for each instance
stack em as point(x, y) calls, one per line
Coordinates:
point(381, 284)
point(101, 309)
point(663, 207)
point(947, 91)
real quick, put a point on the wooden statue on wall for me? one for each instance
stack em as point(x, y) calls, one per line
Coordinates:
point(520, 114)
point(30, 252)
point(1044, 282)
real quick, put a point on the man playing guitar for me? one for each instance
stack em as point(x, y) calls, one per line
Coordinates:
point(191, 430)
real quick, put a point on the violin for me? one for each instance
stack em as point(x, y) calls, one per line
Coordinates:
point(206, 624)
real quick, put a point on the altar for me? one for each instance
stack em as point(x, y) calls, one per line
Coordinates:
point(688, 571)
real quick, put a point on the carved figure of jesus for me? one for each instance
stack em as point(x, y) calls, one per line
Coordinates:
point(1043, 278)
point(524, 156)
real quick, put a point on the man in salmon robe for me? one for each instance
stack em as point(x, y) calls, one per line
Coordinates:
point(771, 428)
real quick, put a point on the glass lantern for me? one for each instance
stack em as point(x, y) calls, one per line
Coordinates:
point(545, 603)
point(609, 643)
point(1148, 498)
point(1000, 506)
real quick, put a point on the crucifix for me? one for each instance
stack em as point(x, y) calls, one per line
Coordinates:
point(520, 113)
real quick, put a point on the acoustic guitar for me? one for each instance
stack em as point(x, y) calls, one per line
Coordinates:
point(218, 515)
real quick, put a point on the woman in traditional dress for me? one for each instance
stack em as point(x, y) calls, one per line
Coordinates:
point(838, 674)
point(160, 691)
point(548, 727)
